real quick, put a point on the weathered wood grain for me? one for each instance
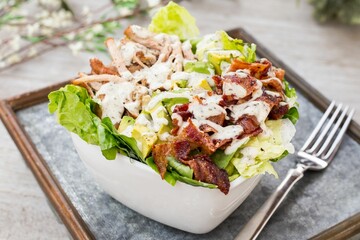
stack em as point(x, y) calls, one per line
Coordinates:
point(325, 55)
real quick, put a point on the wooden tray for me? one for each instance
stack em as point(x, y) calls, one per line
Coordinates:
point(74, 220)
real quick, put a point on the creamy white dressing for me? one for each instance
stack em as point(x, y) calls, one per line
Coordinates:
point(259, 109)
point(242, 73)
point(258, 91)
point(204, 111)
point(141, 32)
point(165, 136)
point(156, 76)
point(115, 96)
point(128, 51)
point(233, 88)
point(158, 122)
point(235, 145)
point(272, 93)
point(128, 131)
point(228, 132)
point(186, 46)
point(143, 120)
point(212, 99)
point(178, 118)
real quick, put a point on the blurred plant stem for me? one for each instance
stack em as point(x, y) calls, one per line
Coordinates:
point(39, 34)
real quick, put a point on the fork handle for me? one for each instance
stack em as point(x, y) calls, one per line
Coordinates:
point(253, 228)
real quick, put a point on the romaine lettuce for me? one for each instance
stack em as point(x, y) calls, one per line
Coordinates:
point(176, 20)
point(259, 151)
point(74, 110)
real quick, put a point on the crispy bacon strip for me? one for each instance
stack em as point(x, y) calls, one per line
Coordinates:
point(280, 73)
point(273, 84)
point(206, 171)
point(97, 67)
point(257, 69)
point(249, 123)
point(160, 152)
point(197, 138)
point(278, 111)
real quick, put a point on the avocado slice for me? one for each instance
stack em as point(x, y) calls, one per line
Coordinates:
point(170, 102)
point(146, 137)
point(126, 121)
point(200, 67)
point(217, 57)
point(161, 119)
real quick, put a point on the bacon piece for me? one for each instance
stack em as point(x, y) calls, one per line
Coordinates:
point(97, 67)
point(269, 99)
point(197, 138)
point(273, 84)
point(182, 149)
point(278, 111)
point(206, 128)
point(248, 82)
point(218, 119)
point(257, 69)
point(280, 73)
point(249, 123)
point(218, 84)
point(183, 111)
point(160, 152)
point(206, 171)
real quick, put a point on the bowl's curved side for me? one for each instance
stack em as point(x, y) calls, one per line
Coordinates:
point(189, 208)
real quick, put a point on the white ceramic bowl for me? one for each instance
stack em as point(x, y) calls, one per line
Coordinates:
point(189, 208)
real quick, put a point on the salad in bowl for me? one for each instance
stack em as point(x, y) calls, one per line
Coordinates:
point(200, 110)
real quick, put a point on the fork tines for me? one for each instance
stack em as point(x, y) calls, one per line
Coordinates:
point(334, 121)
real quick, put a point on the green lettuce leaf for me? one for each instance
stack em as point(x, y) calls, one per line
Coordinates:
point(248, 51)
point(256, 155)
point(74, 110)
point(292, 115)
point(168, 176)
point(182, 169)
point(174, 19)
point(249, 170)
point(289, 92)
point(221, 159)
point(192, 181)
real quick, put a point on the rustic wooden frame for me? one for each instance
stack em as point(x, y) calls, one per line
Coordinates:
point(61, 203)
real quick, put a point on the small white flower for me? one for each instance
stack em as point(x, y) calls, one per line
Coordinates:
point(54, 4)
point(46, 31)
point(13, 59)
point(15, 43)
point(42, 14)
point(32, 52)
point(76, 47)
point(33, 29)
point(97, 28)
point(85, 11)
point(70, 36)
point(89, 36)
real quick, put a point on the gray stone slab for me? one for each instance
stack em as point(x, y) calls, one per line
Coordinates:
point(317, 202)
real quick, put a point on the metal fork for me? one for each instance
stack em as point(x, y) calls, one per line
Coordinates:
point(316, 154)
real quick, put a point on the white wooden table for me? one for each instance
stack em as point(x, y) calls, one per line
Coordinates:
point(325, 55)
